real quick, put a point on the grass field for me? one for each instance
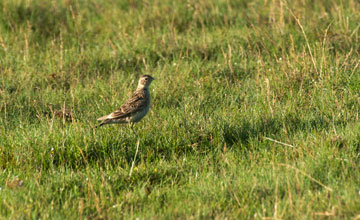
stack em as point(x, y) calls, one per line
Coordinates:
point(255, 110)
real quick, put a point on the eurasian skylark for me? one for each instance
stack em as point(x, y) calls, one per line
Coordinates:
point(135, 108)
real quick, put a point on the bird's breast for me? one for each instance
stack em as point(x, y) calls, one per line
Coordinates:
point(138, 116)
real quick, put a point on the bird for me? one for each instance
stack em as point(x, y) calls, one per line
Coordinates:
point(135, 108)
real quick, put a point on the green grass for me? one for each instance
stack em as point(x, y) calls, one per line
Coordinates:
point(234, 78)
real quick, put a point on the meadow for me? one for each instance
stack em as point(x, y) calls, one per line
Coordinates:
point(254, 113)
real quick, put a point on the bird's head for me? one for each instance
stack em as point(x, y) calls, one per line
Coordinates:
point(145, 81)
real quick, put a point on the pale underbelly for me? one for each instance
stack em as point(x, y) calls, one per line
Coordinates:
point(138, 116)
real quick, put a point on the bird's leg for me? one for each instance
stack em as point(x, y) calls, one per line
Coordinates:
point(131, 125)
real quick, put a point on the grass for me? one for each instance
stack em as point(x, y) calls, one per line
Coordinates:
point(255, 110)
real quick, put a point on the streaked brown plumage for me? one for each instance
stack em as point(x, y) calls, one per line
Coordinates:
point(135, 108)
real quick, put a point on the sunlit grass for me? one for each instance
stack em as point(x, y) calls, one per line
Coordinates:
point(254, 111)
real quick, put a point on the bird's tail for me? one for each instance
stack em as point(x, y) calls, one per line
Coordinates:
point(101, 124)
point(102, 118)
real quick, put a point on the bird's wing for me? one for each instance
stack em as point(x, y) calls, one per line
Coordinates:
point(136, 103)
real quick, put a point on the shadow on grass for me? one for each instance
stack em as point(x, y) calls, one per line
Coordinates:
point(243, 132)
point(44, 20)
point(120, 152)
